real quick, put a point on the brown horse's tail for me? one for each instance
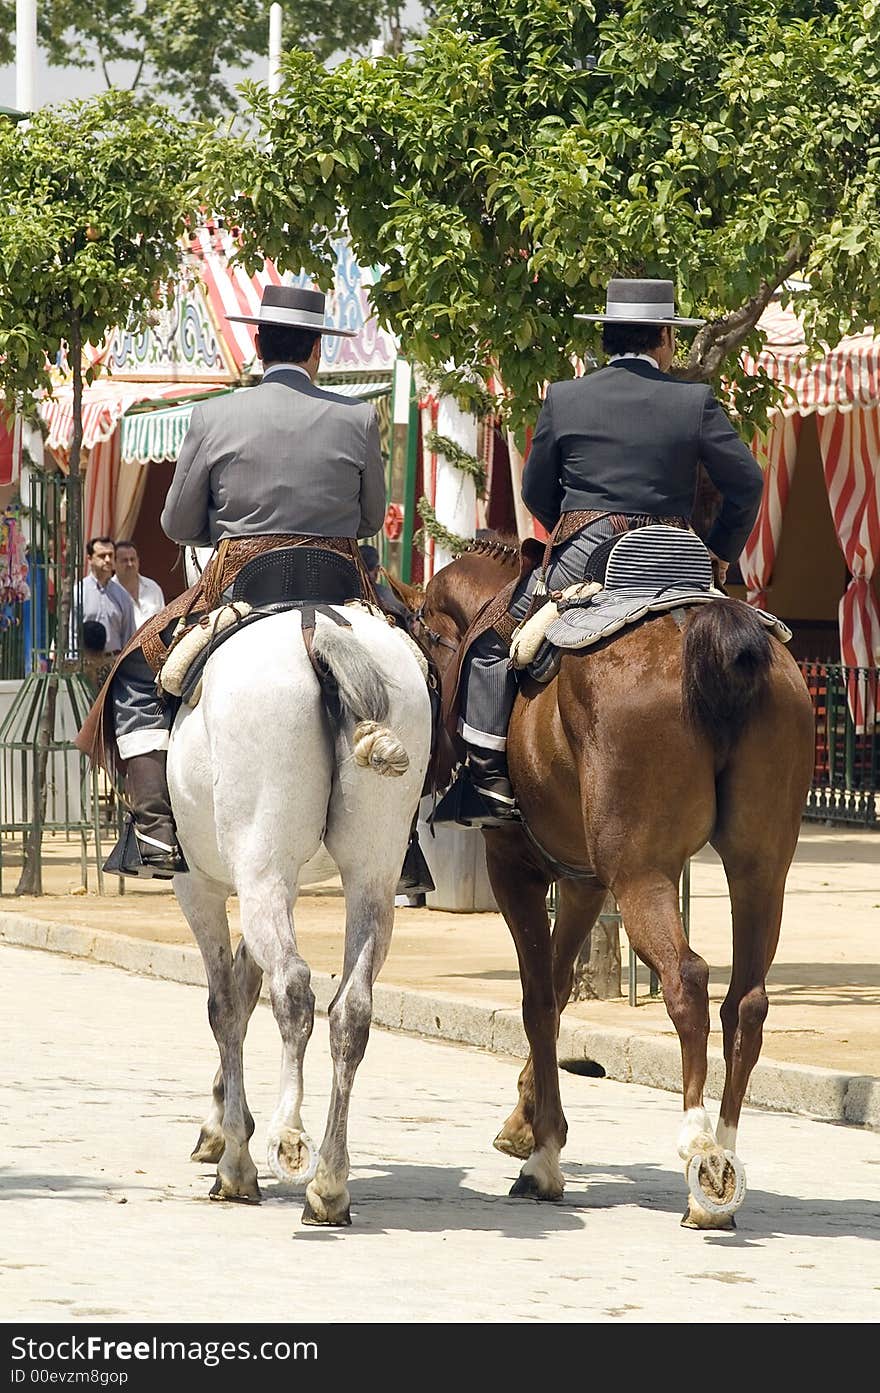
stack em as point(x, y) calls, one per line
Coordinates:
point(725, 669)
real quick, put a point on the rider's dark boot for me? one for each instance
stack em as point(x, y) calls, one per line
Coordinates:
point(482, 795)
point(415, 878)
point(148, 847)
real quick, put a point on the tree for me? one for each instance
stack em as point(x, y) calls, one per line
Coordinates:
point(182, 49)
point(94, 198)
point(528, 150)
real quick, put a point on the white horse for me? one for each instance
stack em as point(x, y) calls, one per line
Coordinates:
point(261, 786)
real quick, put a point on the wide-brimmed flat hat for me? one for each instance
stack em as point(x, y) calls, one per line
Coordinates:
point(641, 302)
point(291, 307)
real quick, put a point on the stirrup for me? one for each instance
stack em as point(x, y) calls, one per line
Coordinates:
point(144, 858)
point(470, 805)
point(415, 877)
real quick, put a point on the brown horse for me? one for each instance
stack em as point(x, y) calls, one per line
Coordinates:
point(632, 759)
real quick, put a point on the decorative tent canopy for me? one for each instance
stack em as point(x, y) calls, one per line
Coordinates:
point(230, 290)
point(105, 403)
point(10, 448)
point(842, 389)
point(847, 376)
point(190, 350)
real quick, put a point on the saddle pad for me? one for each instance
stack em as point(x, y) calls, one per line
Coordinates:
point(185, 649)
point(650, 558)
point(528, 637)
point(581, 625)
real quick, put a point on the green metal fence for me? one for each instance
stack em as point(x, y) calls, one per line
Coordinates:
point(12, 648)
point(846, 772)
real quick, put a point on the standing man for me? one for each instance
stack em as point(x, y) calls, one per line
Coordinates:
point(103, 599)
point(146, 595)
point(618, 449)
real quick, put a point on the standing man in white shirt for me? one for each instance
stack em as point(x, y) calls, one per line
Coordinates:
point(146, 595)
point(102, 598)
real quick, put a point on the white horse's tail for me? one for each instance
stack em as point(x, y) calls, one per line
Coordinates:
point(363, 695)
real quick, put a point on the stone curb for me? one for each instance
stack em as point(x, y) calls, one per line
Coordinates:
point(828, 1095)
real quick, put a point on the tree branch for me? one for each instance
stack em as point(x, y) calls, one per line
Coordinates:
point(723, 336)
point(137, 76)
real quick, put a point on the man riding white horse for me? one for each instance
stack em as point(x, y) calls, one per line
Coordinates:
point(614, 450)
point(282, 463)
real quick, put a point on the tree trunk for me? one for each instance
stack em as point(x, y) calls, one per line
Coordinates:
point(31, 879)
point(597, 970)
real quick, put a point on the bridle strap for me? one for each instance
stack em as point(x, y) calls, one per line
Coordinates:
point(438, 640)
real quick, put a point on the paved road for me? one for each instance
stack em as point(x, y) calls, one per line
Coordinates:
point(104, 1075)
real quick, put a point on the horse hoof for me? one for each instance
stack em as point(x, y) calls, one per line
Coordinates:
point(292, 1156)
point(240, 1193)
point(690, 1220)
point(717, 1188)
point(209, 1147)
point(526, 1187)
point(317, 1214)
point(517, 1144)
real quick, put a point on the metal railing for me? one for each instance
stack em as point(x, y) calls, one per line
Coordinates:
point(611, 919)
point(12, 645)
point(846, 771)
point(45, 783)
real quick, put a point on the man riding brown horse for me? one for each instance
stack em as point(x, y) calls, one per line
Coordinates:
point(615, 450)
point(679, 729)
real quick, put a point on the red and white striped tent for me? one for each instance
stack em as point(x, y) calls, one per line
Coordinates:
point(842, 390)
point(230, 290)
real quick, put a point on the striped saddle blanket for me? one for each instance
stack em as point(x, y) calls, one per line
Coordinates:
point(649, 571)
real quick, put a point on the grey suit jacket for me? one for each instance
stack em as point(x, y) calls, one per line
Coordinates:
point(628, 439)
point(285, 456)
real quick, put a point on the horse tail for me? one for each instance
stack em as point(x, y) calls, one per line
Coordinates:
point(360, 692)
point(725, 669)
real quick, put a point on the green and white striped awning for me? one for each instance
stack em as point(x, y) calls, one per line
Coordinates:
point(367, 391)
point(149, 436)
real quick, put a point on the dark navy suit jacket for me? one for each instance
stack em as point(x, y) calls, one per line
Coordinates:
point(629, 438)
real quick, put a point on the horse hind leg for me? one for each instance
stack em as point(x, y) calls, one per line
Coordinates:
point(248, 978)
point(649, 905)
point(204, 904)
point(369, 902)
point(756, 840)
point(756, 872)
point(520, 887)
point(756, 902)
point(267, 927)
point(577, 910)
